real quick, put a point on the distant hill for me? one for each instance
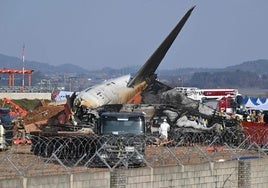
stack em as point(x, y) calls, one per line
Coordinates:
point(250, 74)
point(9, 62)
point(259, 66)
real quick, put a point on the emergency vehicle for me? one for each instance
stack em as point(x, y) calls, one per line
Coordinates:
point(222, 100)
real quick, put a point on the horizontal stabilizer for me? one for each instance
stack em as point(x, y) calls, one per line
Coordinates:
point(148, 69)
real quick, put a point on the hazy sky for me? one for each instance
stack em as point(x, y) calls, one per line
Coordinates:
point(120, 33)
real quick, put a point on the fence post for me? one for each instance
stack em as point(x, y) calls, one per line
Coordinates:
point(244, 174)
point(118, 179)
point(71, 180)
point(24, 182)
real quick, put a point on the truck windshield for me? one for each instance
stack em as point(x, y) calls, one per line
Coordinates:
point(112, 125)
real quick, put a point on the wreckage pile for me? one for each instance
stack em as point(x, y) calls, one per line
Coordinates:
point(200, 123)
point(191, 123)
point(41, 117)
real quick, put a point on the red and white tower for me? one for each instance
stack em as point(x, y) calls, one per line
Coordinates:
point(23, 68)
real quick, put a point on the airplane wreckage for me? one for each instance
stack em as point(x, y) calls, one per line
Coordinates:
point(141, 94)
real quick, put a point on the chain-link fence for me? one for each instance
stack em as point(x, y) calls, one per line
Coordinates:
point(76, 153)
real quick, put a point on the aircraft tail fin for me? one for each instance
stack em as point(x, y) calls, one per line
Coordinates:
point(147, 72)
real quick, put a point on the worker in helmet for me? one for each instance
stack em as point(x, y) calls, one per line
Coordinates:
point(163, 130)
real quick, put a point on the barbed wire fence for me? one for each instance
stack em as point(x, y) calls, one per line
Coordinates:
point(76, 153)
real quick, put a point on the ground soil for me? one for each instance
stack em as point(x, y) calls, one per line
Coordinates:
point(19, 160)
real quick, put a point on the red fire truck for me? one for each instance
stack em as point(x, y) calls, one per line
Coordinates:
point(223, 100)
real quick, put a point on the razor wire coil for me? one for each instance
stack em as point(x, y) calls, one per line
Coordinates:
point(56, 154)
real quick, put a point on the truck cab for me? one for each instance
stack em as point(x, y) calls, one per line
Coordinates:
point(119, 123)
point(122, 138)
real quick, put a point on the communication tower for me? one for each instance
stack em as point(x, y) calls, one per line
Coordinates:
point(23, 66)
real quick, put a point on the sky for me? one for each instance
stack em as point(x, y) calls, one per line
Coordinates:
point(95, 34)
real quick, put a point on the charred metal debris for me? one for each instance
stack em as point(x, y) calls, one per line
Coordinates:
point(190, 123)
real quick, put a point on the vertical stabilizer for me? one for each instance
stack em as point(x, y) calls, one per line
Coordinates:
point(148, 69)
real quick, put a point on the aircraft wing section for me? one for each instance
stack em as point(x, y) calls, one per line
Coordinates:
point(147, 72)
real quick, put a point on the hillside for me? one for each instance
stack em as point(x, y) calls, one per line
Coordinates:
point(250, 74)
point(9, 62)
point(259, 66)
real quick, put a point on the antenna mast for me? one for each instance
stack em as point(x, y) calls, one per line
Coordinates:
point(23, 64)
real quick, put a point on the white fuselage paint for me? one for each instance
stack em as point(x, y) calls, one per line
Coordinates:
point(113, 91)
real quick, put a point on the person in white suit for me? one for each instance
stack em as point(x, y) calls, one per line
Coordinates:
point(163, 130)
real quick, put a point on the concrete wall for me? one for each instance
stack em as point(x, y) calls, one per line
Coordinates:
point(26, 96)
point(259, 173)
point(96, 179)
point(203, 176)
point(235, 174)
point(59, 181)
